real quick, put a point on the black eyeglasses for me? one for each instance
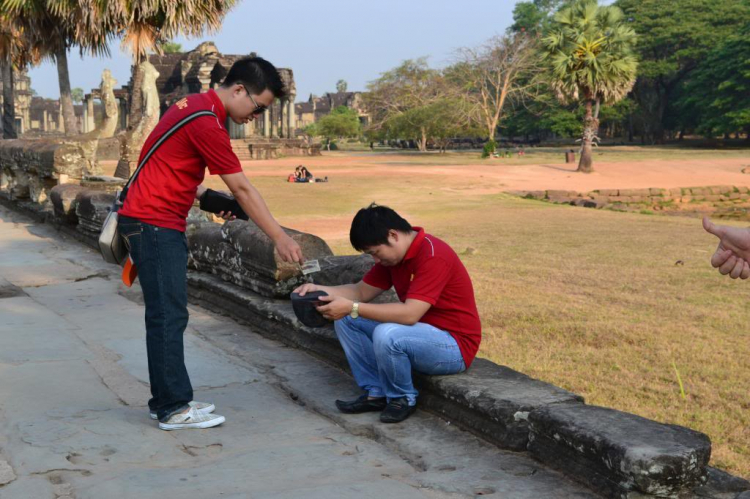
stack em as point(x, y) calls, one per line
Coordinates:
point(258, 109)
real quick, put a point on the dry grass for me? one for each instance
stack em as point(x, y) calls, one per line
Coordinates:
point(588, 300)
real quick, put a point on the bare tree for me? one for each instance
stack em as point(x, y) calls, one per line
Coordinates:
point(494, 75)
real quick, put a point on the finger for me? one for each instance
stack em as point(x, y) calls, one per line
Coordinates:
point(721, 256)
point(717, 230)
point(745, 271)
point(326, 298)
point(737, 270)
point(727, 266)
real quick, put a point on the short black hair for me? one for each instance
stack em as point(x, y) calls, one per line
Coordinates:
point(257, 75)
point(371, 225)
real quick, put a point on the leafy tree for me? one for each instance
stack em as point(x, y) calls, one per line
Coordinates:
point(342, 122)
point(77, 95)
point(341, 86)
point(399, 99)
point(171, 48)
point(534, 16)
point(52, 27)
point(674, 37)
point(590, 52)
point(717, 93)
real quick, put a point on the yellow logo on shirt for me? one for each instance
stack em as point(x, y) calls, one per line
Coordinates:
point(182, 104)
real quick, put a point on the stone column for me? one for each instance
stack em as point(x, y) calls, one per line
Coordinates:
point(123, 103)
point(85, 117)
point(267, 124)
point(44, 120)
point(91, 122)
point(60, 120)
point(292, 117)
point(274, 120)
point(282, 118)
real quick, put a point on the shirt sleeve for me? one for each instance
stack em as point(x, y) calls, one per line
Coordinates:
point(429, 281)
point(215, 148)
point(379, 277)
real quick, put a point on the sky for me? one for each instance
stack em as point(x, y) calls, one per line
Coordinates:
point(322, 41)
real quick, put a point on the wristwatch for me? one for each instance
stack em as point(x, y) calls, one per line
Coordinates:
point(355, 310)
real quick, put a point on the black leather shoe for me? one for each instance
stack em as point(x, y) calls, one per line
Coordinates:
point(362, 404)
point(397, 410)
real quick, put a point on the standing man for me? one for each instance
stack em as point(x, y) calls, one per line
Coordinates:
point(435, 329)
point(153, 219)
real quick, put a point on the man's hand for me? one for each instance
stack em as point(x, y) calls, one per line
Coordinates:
point(307, 288)
point(337, 308)
point(226, 216)
point(733, 253)
point(288, 249)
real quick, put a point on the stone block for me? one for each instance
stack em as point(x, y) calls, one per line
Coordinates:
point(743, 189)
point(700, 191)
point(493, 400)
point(713, 198)
point(561, 194)
point(617, 453)
point(634, 192)
point(638, 199)
point(63, 199)
point(103, 183)
point(241, 253)
point(609, 192)
point(735, 195)
point(654, 191)
point(561, 200)
point(92, 207)
point(721, 485)
point(622, 199)
point(535, 195)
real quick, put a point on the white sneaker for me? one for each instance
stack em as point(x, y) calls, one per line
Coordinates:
point(202, 407)
point(191, 419)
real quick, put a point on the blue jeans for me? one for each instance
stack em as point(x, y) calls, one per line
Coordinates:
point(161, 258)
point(382, 355)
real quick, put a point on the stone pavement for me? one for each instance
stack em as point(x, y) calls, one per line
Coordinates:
point(74, 424)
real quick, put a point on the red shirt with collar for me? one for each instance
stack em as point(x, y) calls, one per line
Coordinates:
point(432, 272)
point(165, 188)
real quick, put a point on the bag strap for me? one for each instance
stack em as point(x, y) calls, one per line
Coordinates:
point(184, 121)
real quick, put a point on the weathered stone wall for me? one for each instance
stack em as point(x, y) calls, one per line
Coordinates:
point(616, 454)
point(30, 168)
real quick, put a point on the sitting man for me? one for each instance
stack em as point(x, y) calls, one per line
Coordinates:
point(435, 329)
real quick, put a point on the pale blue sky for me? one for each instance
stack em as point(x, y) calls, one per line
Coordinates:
point(323, 40)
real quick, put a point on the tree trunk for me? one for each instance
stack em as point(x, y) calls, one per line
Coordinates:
point(630, 127)
point(423, 141)
point(9, 111)
point(136, 101)
point(590, 126)
point(66, 100)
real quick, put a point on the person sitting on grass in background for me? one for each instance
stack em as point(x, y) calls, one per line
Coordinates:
point(434, 329)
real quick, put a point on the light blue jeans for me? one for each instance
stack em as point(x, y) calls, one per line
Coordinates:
point(382, 355)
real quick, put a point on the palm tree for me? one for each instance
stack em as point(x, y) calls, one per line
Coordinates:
point(590, 52)
point(54, 26)
point(15, 53)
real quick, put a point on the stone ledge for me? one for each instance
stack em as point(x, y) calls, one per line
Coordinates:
point(490, 400)
point(618, 453)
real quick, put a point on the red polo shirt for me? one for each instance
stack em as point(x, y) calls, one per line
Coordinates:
point(165, 189)
point(432, 272)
